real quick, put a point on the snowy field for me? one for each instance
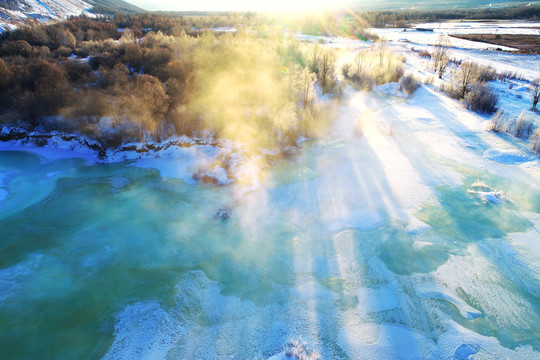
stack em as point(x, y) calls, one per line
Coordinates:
point(483, 27)
point(408, 232)
point(526, 65)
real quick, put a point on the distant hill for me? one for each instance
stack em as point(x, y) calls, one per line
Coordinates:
point(113, 6)
point(435, 4)
point(15, 12)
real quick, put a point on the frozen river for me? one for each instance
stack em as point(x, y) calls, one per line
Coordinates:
point(408, 233)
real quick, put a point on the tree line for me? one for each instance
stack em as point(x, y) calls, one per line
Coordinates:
point(137, 83)
point(400, 18)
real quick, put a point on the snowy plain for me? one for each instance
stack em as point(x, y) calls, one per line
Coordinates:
point(527, 66)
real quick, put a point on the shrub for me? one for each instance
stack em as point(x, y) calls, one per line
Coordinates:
point(46, 93)
point(63, 52)
point(441, 55)
point(43, 53)
point(424, 54)
point(392, 73)
point(116, 77)
point(482, 99)
point(89, 106)
point(535, 141)
point(323, 63)
point(360, 79)
point(105, 60)
point(374, 66)
point(79, 73)
point(408, 84)
point(498, 123)
point(486, 73)
point(81, 52)
point(535, 90)
point(429, 80)
point(19, 47)
point(464, 78)
point(450, 90)
point(523, 127)
point(508, 75)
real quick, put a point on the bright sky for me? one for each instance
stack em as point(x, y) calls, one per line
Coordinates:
point(238, 5)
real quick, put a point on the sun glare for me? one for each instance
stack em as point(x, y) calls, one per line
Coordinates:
point(288, 5)
point(262, 6)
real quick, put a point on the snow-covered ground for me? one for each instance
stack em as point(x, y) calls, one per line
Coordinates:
point(527, 66)
point(483, 27)
point(431, 37)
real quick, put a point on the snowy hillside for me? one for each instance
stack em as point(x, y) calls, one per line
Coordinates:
point(13, 13)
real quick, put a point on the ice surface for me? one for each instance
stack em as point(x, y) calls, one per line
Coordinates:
point(363, 219)
point(145, 331)
point(3, 194)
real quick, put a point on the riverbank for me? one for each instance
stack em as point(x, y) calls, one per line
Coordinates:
point(192, 159)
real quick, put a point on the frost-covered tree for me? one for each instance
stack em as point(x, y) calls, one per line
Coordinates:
point(301, 85)
point(535, 141)
point(360, 60)
point(322, 62)
point(465, 77)
point(382, 48)
point(441, 55)
point(535, 90)
point(326, 69)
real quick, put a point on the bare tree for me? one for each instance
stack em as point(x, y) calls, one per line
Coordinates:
point(465, 77)
point(441, 54)
point(301, 85)
point(308, 79)
point(535, 89)
point(359, 60)
point(314, 59)
point(326, 69)
point(383, 48)
point(535, 141)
